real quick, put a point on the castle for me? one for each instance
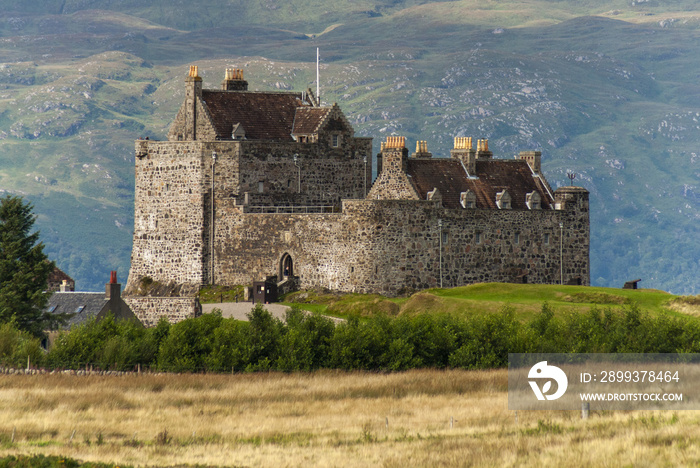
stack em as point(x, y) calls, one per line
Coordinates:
point(273, 185)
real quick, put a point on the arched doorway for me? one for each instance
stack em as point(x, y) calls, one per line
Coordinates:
point(286, 267)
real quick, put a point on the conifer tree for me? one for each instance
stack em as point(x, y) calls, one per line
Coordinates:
point(24, 268)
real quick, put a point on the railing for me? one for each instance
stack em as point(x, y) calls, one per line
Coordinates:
point(291, 209)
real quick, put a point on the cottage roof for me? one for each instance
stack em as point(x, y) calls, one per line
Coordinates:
point(84, 305)
point(492, 176)
point(263, 115)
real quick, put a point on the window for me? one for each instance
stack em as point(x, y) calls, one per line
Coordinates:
point(533, 200)
point(546, 239)
point(516, 238)
point(503, 200)
point(335, 140)
point(261, 187)
point(79, 309)
point(52, 309)
point(467, 199)
point(444, 237)
point(477, 238)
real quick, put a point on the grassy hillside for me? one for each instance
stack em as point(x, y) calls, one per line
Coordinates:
point(526, 299)
point(605, 89)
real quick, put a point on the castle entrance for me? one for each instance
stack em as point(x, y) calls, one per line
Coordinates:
point(286, 267)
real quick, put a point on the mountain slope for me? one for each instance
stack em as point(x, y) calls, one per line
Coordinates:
point(612, 98)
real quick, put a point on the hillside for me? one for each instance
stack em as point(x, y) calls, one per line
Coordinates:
point(605, 89)
point(526, 301)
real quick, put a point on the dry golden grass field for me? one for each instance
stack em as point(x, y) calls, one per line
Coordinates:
point(323, 419)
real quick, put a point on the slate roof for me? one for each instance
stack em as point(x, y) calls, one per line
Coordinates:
point(308, 119)
point(263, 115)
point(492, 176)
point(92, 304)
point(447, 175)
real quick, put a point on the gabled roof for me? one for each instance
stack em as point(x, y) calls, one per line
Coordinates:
point(84, 305)
point(263, 115)
point(492, 176)
point(308, 120)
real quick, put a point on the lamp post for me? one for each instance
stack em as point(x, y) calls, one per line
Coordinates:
point(365, 180)
point(440, 238)
point(296, 163)
point(211, 224)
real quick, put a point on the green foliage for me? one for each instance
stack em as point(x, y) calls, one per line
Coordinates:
point(188, 343)
point(16, 345)
point(264, 334)
point(108, 344)
point(24, 268)
point(306, 342)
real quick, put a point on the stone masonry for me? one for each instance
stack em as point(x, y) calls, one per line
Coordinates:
point(256, 185)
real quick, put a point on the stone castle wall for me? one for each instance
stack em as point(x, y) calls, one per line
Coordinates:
point(392, 245)
point(149, 310)
point(172, 213)
point(168, 214)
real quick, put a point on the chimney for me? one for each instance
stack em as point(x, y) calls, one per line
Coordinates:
point(113, 290)
point(464, 151)
point(422, 150)
point(482, 150)
point(394, 154)
point(64, 286)
point(534, 160)
point(193, 92)
point(233, 80)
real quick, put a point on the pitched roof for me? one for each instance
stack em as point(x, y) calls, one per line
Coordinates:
point(308, 119)
point(263, 115)
point(493, 176)
point(84, 305)
point(447, 175)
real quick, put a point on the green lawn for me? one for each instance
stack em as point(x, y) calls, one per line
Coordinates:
point(526, 299)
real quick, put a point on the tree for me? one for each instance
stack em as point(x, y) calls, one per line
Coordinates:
point(24, 269)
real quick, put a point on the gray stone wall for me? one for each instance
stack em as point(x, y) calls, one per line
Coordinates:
point(149, 310)
point(392, 245)
point(392, 182)
point(168, 214)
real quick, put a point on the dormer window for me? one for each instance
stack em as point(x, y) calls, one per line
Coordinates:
point(503, 200)
point(533, 200)
point(238, 132)
point(467, 199)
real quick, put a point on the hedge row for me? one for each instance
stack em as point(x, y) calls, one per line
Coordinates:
point(307, 342)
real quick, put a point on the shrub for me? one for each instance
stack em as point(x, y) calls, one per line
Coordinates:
point(305, 342)
point(188, 344)
point(17, 345)
point(108, 344)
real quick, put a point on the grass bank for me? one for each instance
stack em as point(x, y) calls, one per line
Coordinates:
point(525, 299)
